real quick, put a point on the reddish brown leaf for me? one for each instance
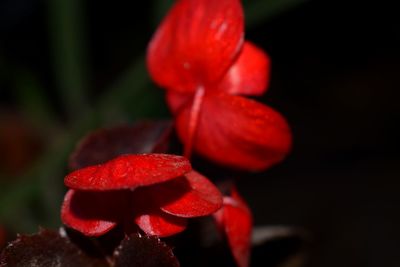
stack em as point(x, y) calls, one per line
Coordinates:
point(235, 219)
point(250, 73)
point(190, 196)
point(128, 171)
point(94, 213)
point(144, 251)
point(237, 132)
point(46, 249)
point(196, 43)
point(106, 144)
point(3, 237)
point(20, 144)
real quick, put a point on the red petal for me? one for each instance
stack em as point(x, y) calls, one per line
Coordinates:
point(250, 73)
point(190, 196)
point(196, 43)
point(151, 219)
point(177, 101)
point(128, 171)
point(238, 132)
point(160, 224)
point(236, 221)
point(92, 213)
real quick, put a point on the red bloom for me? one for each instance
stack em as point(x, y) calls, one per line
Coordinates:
point(235, 220)
point(156, 191)
point(199, 56)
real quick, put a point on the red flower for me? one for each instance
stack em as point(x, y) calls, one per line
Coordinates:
point(158, 192)
point(199, 56)
point(235, 220)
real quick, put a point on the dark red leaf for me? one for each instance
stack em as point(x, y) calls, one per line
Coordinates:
point(106, 144)
point(20, 144)
point(196, 43)
point(46, 249)
point(190, 196)
point(235, 219)
point(250, 73)
point(94, 213)
point(3, 237)
point(237, 132)
point(129, 171)
point(144, 251)
point(151, 219)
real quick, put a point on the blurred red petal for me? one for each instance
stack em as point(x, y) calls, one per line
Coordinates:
point(190, 196)
point(177, 101)
point(91, 213)
point(196, 43)
point(150, 218)
point(250, 73)
point(238, 132)
point(128, 171)
point(235, 219)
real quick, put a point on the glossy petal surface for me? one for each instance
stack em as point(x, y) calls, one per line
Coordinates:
point(160, 224)
point(150, 218)
point(190, 196)
point(196, 43)
point(250, 73)
point(238, 132)
point(128, 171)
point(235, 220)
point(91, 213)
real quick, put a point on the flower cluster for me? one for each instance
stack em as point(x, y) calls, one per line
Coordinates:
point(199, 55)
point(156, 191)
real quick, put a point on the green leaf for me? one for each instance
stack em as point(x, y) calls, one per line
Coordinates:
point(32, 100)
point(132, 94)
point(65, 20)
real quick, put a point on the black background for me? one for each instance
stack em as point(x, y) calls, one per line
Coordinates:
point(335, 76)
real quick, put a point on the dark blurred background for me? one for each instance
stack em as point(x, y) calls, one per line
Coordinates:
point(69, 66)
